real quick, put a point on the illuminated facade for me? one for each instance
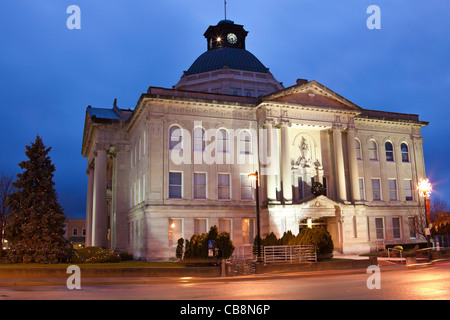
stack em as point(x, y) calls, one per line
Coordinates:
point(178, 162)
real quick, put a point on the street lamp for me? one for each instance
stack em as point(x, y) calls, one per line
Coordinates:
point(424, 188)
point(255, 177)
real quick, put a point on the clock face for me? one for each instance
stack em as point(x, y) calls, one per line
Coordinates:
point(232, 38)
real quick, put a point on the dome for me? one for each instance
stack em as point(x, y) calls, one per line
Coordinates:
point(234, 58)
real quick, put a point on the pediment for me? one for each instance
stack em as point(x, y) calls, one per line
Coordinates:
point(320, 202)
point(312, 94)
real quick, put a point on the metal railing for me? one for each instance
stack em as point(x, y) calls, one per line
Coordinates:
point(290, 254)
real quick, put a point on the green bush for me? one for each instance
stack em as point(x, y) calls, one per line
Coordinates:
point(225, 245)
point(94, 255)
point(319, 237)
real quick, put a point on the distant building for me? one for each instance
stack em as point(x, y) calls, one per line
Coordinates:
point(75, 232)
point(179, 162)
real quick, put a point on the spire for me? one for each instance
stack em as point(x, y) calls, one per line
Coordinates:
point(225, 7)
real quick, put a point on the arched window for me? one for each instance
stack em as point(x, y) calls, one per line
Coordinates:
point(199, 139)
point(358, 149)
point(245, 141)
point(389, 151)
point(175, 138)
point(405, 153)
point(222, 141)
point(373, 150)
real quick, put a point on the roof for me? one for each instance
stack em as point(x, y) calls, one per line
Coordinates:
point(239, 59)
point(103, 113)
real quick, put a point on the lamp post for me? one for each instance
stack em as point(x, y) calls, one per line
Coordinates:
point(255, 176)
point(424, 188)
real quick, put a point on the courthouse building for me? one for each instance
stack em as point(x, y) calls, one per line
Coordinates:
point(179, 161)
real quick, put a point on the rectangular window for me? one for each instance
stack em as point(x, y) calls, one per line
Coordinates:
point(199, 226)
point(396, 227)
point(376, 189)
point(408, 190)
point(362, 191)
point(75, 231)
point(392, 189)
point(199, 185)
point(379, 227)
point(175, 185)
point(223, 185)
point(412, 227)
point(175, 231)
point(225, 225)
point(248, 231)
point(246, 187)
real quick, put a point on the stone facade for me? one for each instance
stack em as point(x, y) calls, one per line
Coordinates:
point(179, 162)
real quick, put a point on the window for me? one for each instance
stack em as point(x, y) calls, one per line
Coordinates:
point(379, 228)
point(175, 138)
point(412, 227)
point(408, 190)
point(199, 226)
point(222, 141)
point(199, 139)
point(175, 231)
point(199, 185)
point(405, 154)
point(392, 190)
point(248, 231)
point(376, 189)
point(358, 149)
point(354, 227)
point(246, 188)
point(175, 185)
point(396, 227)
point(225, 225)
point(83, 231)
point(389, 151)
point(75, 231)
point(223, 184)
point(245, 140)
point(362, 192)
point(373, 152)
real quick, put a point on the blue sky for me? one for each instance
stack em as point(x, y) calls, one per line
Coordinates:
point(50, 74)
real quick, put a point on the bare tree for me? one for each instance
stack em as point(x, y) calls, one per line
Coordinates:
point(6, 188)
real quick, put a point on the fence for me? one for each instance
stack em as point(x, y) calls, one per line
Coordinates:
point(298, 253)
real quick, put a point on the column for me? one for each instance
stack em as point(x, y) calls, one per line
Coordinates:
point(286, 172)
point(89, 203)
point(99, 225)
point(339, 164)
point(353, 164)
point(271, 168)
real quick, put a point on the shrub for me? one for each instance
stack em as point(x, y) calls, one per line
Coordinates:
point(94, 255)
point(319, 237)
point(179, 251)
point(225, 245)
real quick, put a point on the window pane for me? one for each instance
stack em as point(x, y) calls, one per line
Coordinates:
point(199, 139)
point(408, 190)
point(358, 149)
point(175, 137)
point(248, 231)
point(225, 225)
point(223, 186)
point(393, 190)
point(199, 226)
point(175, 183)
point(376, 191)
point(389, 151)
point(396, 227)
point(405, 155)
point(361, 188)
point(373, 150)
point(175, 231)
point(379, 228)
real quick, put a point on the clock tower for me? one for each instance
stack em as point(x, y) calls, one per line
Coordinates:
point(226, 34)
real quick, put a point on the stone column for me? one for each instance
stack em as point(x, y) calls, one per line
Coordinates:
point(100, 214)
point(286, 173)
point(339, 164)
point(89, 204)
point(353, 164)
point(271, 166)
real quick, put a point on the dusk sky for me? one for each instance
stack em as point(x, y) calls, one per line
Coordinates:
point(49, 73)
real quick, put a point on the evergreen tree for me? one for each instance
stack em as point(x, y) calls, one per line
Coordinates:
point(35, 228)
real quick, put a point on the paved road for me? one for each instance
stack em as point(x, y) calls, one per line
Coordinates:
point(408, 284)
